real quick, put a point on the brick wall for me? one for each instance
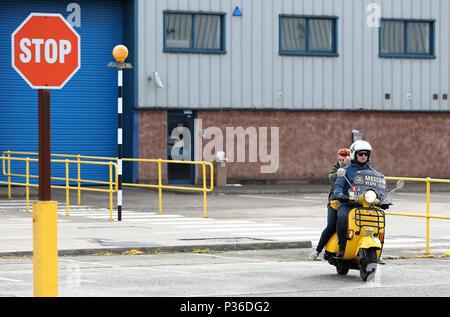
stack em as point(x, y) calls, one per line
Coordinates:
point(405, 144)
point(152, 143)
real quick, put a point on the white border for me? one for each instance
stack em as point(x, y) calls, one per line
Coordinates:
point(79, 50)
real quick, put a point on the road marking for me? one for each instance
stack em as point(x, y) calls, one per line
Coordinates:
point(124, 267)
point(136, 217)
point(16, 238)
point(10, 280)
point(16, 226)
point(280, 198)
point(424, 194)
point(228, 257)
point(231, 226)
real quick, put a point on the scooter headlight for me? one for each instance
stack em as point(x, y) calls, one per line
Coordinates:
point(370, 196)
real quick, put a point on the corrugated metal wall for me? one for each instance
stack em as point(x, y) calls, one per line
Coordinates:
point(252, 74)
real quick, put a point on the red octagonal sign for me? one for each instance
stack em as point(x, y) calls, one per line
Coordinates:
point(45, 51)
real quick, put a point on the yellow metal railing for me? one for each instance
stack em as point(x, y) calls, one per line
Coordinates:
point(160, 186)
point(112, 183)
point(427, 215)
point(66, 156)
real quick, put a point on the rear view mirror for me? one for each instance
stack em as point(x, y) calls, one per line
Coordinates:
point(341, 172)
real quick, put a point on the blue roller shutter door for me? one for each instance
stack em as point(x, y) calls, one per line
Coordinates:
point(84, 112)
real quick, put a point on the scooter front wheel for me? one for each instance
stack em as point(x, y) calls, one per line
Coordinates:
point(368, 264)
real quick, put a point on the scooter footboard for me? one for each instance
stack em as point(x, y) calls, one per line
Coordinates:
point(340, 262)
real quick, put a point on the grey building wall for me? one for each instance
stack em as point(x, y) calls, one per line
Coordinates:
point(253, 75)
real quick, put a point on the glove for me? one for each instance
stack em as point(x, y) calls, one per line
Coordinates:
point(343, 199)
point(384, 206)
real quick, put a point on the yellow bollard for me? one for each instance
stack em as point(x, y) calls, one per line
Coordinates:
point(159, 186)
point(110, 193)
point(27, 179)
point(45, 249)
point(427, 251)
point(67, 188)
point(9, 175)
point(204, 190)
point(78, 180)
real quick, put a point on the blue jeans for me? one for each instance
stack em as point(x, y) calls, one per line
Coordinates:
point(329, 230)
point(342, 223)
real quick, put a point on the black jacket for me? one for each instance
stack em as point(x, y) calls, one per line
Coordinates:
point(332, 176)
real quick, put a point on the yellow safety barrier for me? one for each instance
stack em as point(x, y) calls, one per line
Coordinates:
point(112, 183)
point(77, 157)
point(160, 186)
point(428, 216)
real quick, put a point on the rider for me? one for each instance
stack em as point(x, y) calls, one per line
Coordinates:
point(343, 159)
point(360, 152)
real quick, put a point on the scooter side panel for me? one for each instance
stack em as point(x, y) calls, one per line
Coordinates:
point(332, 244)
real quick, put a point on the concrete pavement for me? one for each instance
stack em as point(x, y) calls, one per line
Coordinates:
point(88, 229)
point(240, 225)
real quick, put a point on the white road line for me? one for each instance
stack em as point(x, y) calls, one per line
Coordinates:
point(424, 194)
point(135, 217)
point(228, 225)
point(415, 245)
point(164, 221)
point(237, 230)
point(280, 198)
point(16, 238)
point(300, 237)
point(124, 267)
point(295, 232)
point(153, 214)
point(10, 280)
point(16, 226)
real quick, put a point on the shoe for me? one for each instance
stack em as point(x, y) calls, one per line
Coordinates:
point(341, 253)
point(313, 256)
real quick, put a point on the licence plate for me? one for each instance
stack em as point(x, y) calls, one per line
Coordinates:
point(368, 233)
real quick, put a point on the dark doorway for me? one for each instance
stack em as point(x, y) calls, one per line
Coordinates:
point(180, 146)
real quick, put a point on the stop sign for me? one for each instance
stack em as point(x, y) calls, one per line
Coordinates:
point(45, 51)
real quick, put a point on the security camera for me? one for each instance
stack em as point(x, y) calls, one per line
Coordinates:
point(157, 79)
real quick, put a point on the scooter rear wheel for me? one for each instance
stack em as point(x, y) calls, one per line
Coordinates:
point(342, 270)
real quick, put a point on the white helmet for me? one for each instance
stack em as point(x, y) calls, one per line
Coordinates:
point(359, 145)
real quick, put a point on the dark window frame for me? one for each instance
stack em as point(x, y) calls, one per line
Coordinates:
point(221, 50)
point(405, 53)
point(307, 52)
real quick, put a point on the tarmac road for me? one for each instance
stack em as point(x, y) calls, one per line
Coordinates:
point(257, 273)
point(282, 227)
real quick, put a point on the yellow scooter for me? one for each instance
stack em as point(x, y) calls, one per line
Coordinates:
point(366, 224)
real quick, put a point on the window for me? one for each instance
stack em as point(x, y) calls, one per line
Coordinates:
point(188, 32)
point(407, 38)
point(303, 35)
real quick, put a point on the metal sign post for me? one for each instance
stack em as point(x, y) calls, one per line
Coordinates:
point(45, 52)
point(44, 145)
point(120, 53)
